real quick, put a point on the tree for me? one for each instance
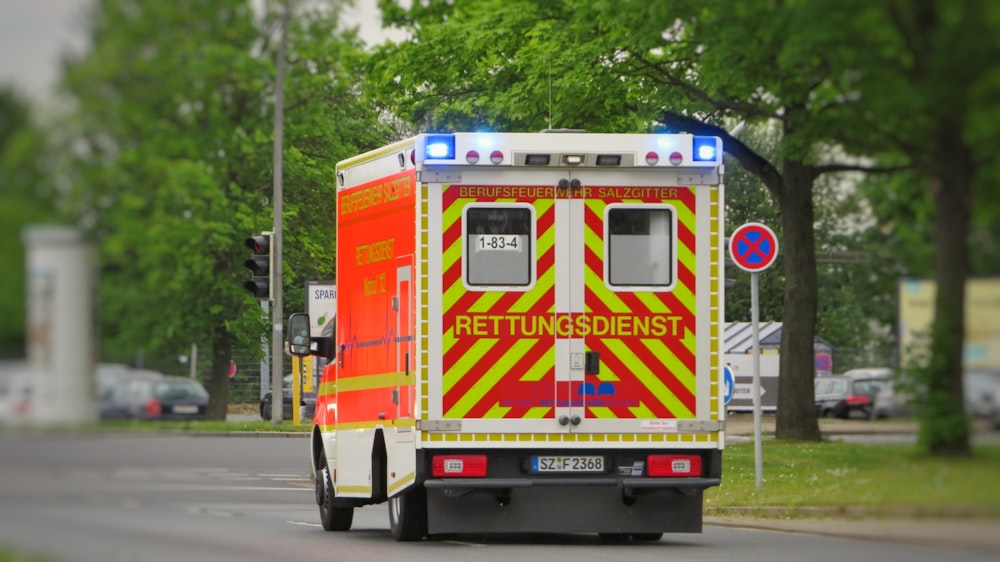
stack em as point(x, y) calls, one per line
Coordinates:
point(173, 165)
point(630, 66)
point(22, 201)
point(927, 79)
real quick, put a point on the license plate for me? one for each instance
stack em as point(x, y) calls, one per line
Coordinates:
point(567, 464)
point(185, 409)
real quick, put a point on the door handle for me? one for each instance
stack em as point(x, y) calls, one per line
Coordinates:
point(592, 363)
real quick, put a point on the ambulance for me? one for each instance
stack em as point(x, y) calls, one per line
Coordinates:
point(528, 335)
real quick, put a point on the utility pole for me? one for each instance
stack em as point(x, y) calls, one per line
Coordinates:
point(277, 338)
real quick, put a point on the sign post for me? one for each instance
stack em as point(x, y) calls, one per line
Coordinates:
point(753, 247)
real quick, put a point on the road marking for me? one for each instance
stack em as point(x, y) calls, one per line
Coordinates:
point(304, 523)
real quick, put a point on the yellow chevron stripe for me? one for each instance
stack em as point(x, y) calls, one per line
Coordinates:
point(496, 411)
point(653, 303)
point(462, 366)
point(673, 364)
point(541, 367)
point(537, 412)
point(602, 413)
point(648, 379)
point(489, 378)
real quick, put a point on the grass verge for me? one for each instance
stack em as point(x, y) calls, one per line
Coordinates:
point(846, 479)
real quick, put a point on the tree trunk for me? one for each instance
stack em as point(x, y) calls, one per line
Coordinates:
point(218, 384)
point(796, 416)
point(944, 427)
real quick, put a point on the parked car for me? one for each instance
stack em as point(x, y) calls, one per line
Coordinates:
point(114, 390)
point(981, 388)
point(147, 397)
point(870, 373)
point(893, 402)
point(844, 396)
point(307, 402)
point(15, 396)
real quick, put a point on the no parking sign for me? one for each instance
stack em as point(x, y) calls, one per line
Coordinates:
point(753, 247)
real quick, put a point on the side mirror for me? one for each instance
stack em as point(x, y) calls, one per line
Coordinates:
point(298, 334)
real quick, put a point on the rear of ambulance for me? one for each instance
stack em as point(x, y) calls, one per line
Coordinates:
point(570, 356)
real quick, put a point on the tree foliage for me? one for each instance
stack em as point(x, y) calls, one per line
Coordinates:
point(828, 76)
point(173, 162)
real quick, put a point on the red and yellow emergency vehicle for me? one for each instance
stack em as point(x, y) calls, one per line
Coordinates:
point(528, 335)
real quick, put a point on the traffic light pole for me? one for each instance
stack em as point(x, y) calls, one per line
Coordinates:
point(277, 334)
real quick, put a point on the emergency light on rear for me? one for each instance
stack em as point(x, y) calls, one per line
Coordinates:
point(704, 149)
point(458, 466)
point(440, 147)
point(673, 465)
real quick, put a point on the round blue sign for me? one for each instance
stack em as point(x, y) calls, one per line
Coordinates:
point(728, 384)
point(753, 247)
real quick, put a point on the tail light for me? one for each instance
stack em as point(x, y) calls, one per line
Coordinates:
point(154, 408)
point(673, 465)
point(459, 466)
point(860, 400)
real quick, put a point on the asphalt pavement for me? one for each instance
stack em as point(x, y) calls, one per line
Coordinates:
point(912, 528)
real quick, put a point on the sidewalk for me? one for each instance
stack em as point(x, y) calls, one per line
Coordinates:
point(975, 534)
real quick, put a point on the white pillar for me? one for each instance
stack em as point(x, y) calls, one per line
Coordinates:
point(61, 287)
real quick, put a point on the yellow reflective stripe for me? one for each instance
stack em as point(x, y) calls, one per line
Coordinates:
point(403, 481)
point(367, 382)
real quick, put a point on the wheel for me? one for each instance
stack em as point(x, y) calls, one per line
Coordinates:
point(265, 411)
point(408, 514)
point(333, 518)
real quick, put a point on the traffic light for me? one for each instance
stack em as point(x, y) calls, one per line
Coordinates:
point(260, 265)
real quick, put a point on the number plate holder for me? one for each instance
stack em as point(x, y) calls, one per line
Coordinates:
point(562, 464)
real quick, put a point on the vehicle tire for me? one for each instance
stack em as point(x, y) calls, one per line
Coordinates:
point(332, 517)
point(265, 411)
point(408, 514)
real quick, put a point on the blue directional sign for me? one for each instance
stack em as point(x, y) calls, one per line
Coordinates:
point(728, 384)
point(753, 247)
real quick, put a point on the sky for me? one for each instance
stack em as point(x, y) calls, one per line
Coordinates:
point(34, 34)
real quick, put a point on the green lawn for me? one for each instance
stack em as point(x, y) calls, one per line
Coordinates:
point(847, 479)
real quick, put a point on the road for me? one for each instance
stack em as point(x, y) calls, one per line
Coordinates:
point(154, 497)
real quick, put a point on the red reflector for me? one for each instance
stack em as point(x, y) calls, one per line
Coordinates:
point(676, 158)
point(673, 465)
point(459, 465)
point(652, 158)
point(496, 157)
point(858, 400)
point(153, 408)
point(472, 157)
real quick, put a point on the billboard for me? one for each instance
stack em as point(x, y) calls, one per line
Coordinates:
point(982, 320)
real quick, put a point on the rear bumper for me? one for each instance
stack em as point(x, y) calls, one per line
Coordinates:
point(467, 484)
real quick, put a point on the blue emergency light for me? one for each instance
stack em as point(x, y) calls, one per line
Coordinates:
point(440, 147)
point(705, 149)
